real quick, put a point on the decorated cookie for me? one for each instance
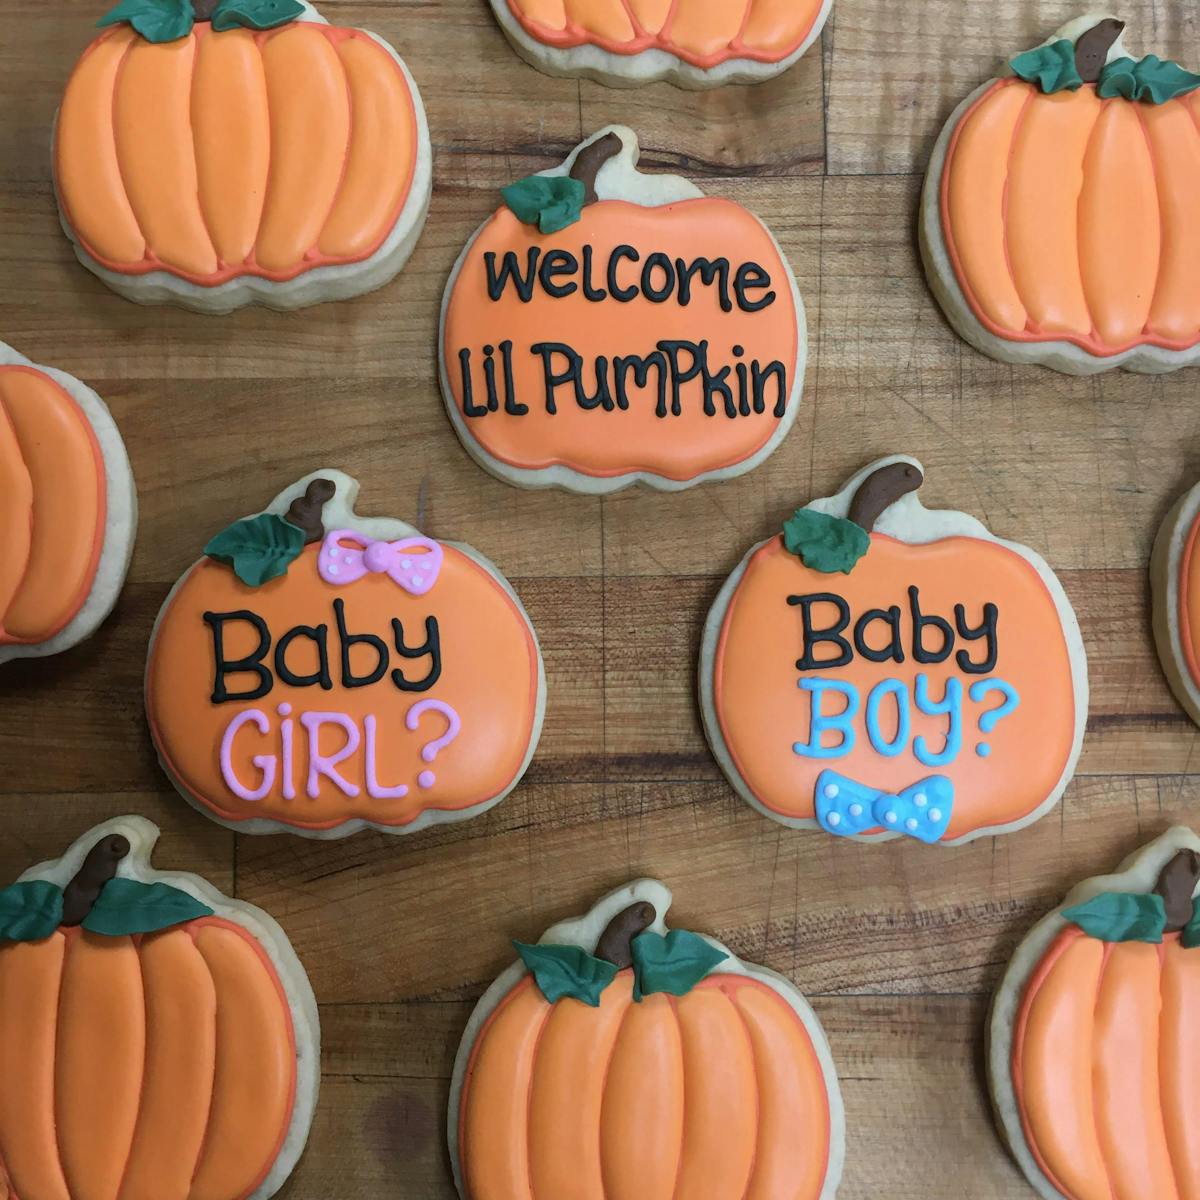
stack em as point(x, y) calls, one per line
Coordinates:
point(606, 327)
point(616, 1059)
point(884, 670)
point(68, 509)
point(215, 153)
point(321, 672)
point(1056, 224)
point(690, 43)
point(1175, 582)
point(1092, 1043)
point(158, 1041)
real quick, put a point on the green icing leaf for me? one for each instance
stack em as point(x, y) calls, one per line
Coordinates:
point(1152, 79)
point(30, 911)
point(1051, 67)
point(673, 964)
point(255, 14)
point(258, 549)
point(155, 20)
point(126, 906)
point(1190, 937)
point(567, 971)
point(549, 202)
point(824, 543)
point(1121, 917)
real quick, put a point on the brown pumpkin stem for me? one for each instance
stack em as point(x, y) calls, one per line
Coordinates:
point(1091, 51)
point(590, 159)
point(880, 490)
point(305, 511)
point(616, 942)
point(1176, 885)
point(98, 868)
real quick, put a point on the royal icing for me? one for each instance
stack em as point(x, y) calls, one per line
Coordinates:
point(326, 680)
point(221, 149)
point(882, 670)
point(1066, 200)
point(1102, 1042)
point(53, 503)
point(700, 32)
point(175, 1015)
point(595, 336)
point(594, 1040)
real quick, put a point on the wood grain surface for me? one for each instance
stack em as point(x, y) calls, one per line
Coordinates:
point(899, 946)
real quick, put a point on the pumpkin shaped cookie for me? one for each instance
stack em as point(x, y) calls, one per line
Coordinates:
point(1057, 221)
point(884, 670)
point(1175, 584)
point(68, 509)
point(216, 153)
point(320, 672)
point(157, 1039)
point(605, 328)
point(1092, 1046)
point(690, 43)
point(617, 1059)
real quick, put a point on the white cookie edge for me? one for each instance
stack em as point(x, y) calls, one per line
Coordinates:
point(907, 520)
point(585, 932)
point(1138, 873)
point(339, 514)
point(619, 179)
point(120, 521)
point(648, 66)
point(142, 835)
point(318, 286)
point(1165, 564)
point(1064, 357)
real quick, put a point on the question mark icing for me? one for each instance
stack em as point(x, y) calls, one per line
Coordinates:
point(430, 750)
point(990, 719)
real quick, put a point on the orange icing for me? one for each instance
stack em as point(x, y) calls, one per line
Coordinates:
point(1189, 602)
point(154, 1067)
point(717, 1093)
point(489, 676)
point(222, 155)
point(52, 506)
point(1103, 1067)
point(1069, 218)
point(763, 712)
point(596, 442)
point(704, 33)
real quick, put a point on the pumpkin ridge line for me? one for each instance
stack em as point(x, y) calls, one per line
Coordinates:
point(137, 1116)
point(341, 183)
point(1104, 961)
point(730, 994)
point(673, 1004)
point(1158, 1062)
point(196, 38)
point(68, 939)
point(118, 77)
point(193, 929)
point(1094, 334)
point(612, 1054)
point(1162, 224)
point(533, 1061)
point(1022, 116)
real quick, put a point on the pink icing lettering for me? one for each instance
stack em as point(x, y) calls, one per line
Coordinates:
point(374, 788)
point(264, 762)
point(326, 764)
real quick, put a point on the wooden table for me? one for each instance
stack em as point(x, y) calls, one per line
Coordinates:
point(898, 947)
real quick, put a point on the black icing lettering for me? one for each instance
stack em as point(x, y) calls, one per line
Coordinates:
point(431, 646)
point(555, 379)
point(760, 377)
point(893, 649)
point(920, 623)
point(318, 635)
point(250, 664)
point(715, 385)
point(986, 630)
point(658, 262)
point(512, 405)
point(623, 294)
point(489, 378)
point(510, 271)
point(623, 365)
point(591, 292)
point(752, 278)
point(348, 641)
point(680, 375)
point(470, 408)
point(814, 635)
point(558, 263)
point(710, 270)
